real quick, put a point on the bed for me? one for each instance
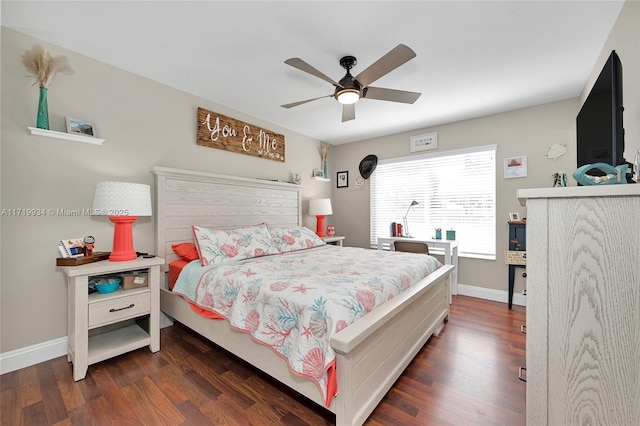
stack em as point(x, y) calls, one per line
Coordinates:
point(370, 354)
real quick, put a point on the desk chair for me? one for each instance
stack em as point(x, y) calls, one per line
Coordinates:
point(411, 247)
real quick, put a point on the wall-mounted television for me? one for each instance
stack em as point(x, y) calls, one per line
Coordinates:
point(600, 132)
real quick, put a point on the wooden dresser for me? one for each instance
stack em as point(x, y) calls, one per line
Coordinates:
point(583, 305)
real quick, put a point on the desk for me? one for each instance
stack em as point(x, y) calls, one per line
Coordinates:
point(450, 248)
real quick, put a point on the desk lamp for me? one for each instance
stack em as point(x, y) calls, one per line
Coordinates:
point(406, 222)
point(319, 208)
point(123, 202)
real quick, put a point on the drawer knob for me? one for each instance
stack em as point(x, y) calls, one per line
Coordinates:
point(122, 309)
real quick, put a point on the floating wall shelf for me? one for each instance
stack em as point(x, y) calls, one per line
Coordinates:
point(66, 136)
point(321, 179)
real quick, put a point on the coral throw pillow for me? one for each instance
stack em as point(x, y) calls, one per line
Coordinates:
point(186, 251)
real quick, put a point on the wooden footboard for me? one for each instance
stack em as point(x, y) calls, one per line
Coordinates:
point(374, 351)
point(371, 353)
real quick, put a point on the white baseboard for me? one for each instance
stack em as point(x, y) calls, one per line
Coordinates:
point(491, 294)
point(41, 352)
point(31, 355)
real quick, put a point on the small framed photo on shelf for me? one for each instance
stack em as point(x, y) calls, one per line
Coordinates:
point(342, 179)
point(318, 173)
point(80, 127)
point(72, 247)
point(514, 217)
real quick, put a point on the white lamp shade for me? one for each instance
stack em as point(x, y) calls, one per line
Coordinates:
point(320, 207)
point(122, 199)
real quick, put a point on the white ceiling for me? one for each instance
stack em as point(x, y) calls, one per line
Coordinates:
point(473, 57)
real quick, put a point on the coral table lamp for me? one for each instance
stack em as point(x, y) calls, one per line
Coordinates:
point(320, 208)
point(123, 202)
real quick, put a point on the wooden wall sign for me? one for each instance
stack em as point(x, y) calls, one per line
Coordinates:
point(222, 132)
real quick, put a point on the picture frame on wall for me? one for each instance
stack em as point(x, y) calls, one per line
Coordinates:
point(342, 179)
point(515, 167)
point(423, 142)
point(80, 127)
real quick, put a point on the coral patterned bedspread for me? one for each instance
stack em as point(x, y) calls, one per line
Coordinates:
point(294, 302)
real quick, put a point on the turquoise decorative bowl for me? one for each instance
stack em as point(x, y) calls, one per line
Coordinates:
point(108, 287)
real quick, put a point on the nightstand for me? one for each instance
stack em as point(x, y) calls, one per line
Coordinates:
point(101, 326)
point(335, 240)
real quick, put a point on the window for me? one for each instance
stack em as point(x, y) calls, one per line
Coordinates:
point(454, 190)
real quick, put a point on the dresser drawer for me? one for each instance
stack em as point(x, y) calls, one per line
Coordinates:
point(119, 308)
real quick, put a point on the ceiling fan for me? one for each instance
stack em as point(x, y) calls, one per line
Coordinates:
point(351, 89)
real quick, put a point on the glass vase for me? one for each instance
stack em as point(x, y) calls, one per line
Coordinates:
point(324, 169)
point(43, 111)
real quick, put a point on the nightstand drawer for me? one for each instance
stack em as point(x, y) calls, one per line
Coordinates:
point(119, 308)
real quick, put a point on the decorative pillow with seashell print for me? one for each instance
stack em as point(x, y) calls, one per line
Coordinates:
point(296, 238)
point(219, 246)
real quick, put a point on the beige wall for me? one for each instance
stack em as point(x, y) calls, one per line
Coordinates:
point(144, 124)
point(529, 132)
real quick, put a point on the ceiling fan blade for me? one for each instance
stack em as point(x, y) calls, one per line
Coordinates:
point(293, 104)
point(348, 112)
point(392, 95)
point(392, 60)
point(303, 66)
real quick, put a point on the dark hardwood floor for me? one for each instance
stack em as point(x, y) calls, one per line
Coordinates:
point(467, 375)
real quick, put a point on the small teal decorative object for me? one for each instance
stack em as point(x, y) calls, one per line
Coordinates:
point(325, 152)
point(42, 121)
point(43, 67)
point(451, 234)
point(612, 174)
point(108, 285)
point(438, 234)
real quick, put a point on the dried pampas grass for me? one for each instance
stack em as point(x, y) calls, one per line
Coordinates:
point(43, 66)
point(325, 151)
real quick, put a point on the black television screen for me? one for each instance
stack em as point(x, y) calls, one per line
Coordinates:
point(599, 123)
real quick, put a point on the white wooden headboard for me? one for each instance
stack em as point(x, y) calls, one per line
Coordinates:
point(185, 198)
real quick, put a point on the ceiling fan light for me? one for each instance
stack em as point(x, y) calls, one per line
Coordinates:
point(348, 96)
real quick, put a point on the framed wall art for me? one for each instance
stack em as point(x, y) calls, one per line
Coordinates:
point(342, 179)
point(423, 142)
point(515, 167)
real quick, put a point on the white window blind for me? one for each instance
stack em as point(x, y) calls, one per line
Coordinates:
point(455, 190)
